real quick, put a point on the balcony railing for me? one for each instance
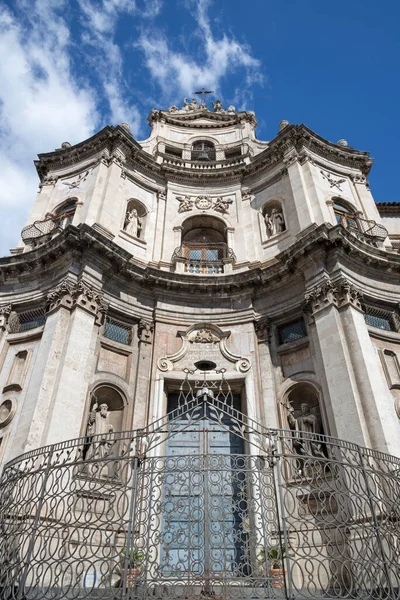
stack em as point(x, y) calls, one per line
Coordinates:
point(38, 229)
point(204, 258)
point(365, 229)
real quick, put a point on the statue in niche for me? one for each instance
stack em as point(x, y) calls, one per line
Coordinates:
point(307, 422)
point(98, 425)
point(274, 222)
point(133, 223)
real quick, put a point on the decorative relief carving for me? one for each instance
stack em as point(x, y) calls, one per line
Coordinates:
point(4, 315)
point(71, 185)
point(203, 202)
point(145, 331)
point(13, 322)
point(338, 293)
point(332, 182)
point(220, 203)
point(70, 294)
point(200, 342)
point(262, 329)
point(8, 408)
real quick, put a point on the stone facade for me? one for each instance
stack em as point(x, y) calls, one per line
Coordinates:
point(142, 260)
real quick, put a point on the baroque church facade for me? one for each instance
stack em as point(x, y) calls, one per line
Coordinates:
point(199, 255)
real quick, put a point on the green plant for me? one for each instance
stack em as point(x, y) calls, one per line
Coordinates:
point(276, 552)
point(135, 557)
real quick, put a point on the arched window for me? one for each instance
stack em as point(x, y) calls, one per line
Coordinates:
point(64, 214)
point(135, 219)
point(204, 245)
point(344, 215)
point(203, 150)
point(274, 221)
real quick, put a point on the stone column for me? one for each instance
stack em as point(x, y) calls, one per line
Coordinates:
point(143, 374)
point(58, 415)
point(344, 404)
point(266, 374)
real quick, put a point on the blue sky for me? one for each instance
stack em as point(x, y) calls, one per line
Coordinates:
point(70, 67)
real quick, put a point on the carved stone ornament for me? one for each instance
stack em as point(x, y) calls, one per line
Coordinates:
point(220, 204)
point(204, 342)
point(71, 185)
point(339, 293)
point(4, 315)
point(145, 331)
point(203, 202)
point(70, 294)
point(262, 329)
point(8, 408)
point(333, 183)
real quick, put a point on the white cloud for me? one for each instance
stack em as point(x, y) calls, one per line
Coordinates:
point(41, 105)
point(215, 58)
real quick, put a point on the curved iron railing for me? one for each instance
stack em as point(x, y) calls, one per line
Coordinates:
point(298, 515)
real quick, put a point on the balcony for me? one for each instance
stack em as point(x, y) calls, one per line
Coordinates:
point(365, 229)
point(292, 515)
point(200, 258)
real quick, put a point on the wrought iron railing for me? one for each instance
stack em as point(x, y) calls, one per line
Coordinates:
point(38, 229)
point(366, 229)
point(26, 320)
point(117, 331)
point(204, 257)
point(298, 515)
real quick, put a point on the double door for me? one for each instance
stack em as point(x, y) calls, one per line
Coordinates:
point(204, 498)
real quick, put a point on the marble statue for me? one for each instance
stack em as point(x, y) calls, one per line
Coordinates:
point(309, 423)
point(133, 223)
point(217, 106)
point(274, 222)
point(98, 425)
point(190, 105)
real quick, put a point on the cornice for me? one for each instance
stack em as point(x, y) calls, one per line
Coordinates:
point(74, 243)
point(189, 119)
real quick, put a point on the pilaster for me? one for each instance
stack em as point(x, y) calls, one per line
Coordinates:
point(266, 373)
point(346, 406)
point(145, 332)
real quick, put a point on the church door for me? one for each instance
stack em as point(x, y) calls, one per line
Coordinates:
point(203, 498)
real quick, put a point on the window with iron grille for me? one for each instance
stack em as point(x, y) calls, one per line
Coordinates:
point(117, 331)
point(292, 331)
point(381, 318)
point(30, 319)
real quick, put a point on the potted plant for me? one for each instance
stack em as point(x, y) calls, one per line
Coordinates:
point(133, 559)
point(276, 553)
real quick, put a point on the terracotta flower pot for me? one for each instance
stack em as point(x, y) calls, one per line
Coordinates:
point(277, 578)
point(131, 576)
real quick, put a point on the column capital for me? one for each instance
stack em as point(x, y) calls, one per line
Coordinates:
point(5, 312)
point(70, 294)
point(339, 293)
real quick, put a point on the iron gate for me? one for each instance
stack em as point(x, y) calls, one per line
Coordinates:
point(277, 519)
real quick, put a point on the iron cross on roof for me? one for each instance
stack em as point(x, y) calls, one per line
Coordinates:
point(203, 93)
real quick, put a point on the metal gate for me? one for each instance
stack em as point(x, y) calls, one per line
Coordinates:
point(166, 513)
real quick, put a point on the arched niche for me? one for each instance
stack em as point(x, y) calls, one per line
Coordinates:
point(135, 219)
point(105, 394)
point(302, 413)
point(64, 214)
point(273, 218)
point(204, 245)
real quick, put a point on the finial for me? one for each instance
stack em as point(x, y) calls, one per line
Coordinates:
point(203, 93)
point(283, 124)
point(343, 143)
point(66, 145)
